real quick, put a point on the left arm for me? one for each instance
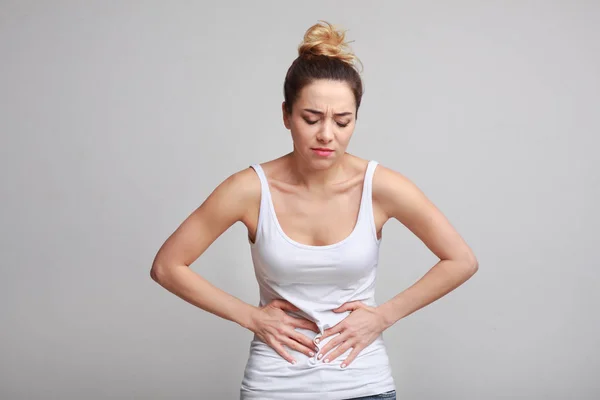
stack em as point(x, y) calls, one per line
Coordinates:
point(397, 197)
point(401, 199)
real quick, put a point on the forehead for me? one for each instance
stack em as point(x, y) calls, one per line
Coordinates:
point(326, 94)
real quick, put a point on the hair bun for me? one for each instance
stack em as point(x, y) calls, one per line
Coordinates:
point(324, 39)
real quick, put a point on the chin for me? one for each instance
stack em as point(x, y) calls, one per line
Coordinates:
point(322, 162)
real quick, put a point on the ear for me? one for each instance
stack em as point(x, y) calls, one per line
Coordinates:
point(286, 117)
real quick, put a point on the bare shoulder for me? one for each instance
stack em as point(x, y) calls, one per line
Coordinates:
point(237, 197)
point(244, 185)
point(402, 199)
point(392, 190)
point(233, 200)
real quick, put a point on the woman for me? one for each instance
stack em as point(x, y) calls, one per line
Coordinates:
point(314, 219)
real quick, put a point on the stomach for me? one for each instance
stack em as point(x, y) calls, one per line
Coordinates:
point(269, 374)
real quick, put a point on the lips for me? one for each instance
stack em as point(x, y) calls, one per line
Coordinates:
point(322, 151)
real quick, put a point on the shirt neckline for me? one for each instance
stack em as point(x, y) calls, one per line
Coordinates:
point(327, 246)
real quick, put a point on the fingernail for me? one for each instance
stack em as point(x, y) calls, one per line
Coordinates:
point(327, 360)
point(343, 365)
point(310, 353)
point(320, 356)
point(317, 340)
point(293, 361)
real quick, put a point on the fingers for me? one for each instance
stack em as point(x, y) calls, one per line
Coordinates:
point(338, 328)
point(341, 349)
point(279, 330)
point(297, 343)
point(304, 323)
point(284, 305)
point(282, 352)
point(287, 306)
point(306, 342)
point(350, 306)
point(351, 356)
point(336, 341)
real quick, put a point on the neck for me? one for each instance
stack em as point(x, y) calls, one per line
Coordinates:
point(315, 179)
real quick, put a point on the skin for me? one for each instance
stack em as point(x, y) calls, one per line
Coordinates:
point(316, 200)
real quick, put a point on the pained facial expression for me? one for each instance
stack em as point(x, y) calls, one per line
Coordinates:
point(322, 122)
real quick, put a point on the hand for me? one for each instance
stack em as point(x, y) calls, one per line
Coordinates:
point(356, 331)
point(276, 328)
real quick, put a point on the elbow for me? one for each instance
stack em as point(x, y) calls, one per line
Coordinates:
point(153, 274)
point(162, 272)
point(157, 273)
point(467, 264)
point(472, 265)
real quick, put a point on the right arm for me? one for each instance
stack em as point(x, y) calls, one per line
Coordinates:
point(235, 199)
point(228, 203)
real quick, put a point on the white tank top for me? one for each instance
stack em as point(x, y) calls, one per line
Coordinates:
point(316, 279)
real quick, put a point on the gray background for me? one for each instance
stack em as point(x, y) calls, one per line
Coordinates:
point(118, 118)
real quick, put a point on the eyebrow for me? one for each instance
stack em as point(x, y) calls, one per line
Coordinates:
point(321, 113)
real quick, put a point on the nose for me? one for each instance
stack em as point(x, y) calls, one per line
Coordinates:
point(325, 134)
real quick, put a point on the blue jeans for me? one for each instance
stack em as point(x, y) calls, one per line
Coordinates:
point(391, 395)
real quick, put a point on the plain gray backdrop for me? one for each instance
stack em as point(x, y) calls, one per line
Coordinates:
point(118, 118)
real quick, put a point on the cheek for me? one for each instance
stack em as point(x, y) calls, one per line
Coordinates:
point(344, 136)
point(302, 132)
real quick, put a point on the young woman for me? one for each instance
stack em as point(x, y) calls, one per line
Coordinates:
point(315, 218)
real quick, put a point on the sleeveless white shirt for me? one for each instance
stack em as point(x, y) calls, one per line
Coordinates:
point(316, 279)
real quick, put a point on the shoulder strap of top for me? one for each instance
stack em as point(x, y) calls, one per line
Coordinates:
point(264, 197)
point(368, 183)
point(371, 171)
point(260, 172)
point(367, 198)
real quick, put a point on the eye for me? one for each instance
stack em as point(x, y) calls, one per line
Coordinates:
point(342, 125)
point(311, 122)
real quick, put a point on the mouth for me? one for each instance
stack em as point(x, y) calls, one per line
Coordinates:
point(322, 151)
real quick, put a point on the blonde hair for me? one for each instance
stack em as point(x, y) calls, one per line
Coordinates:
point(323, 54)
point(325, 39)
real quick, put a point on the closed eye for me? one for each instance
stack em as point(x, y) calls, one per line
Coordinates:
point(338, 124)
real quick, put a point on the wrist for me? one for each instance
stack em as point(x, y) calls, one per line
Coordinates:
point(386, 315)
point(247, 319)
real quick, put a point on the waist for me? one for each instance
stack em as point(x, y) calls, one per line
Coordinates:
point(270, 375)
point(319, 309)
point(264, 358)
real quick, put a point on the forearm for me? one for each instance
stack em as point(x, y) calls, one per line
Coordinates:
point(441, 279)
point(193, 288)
